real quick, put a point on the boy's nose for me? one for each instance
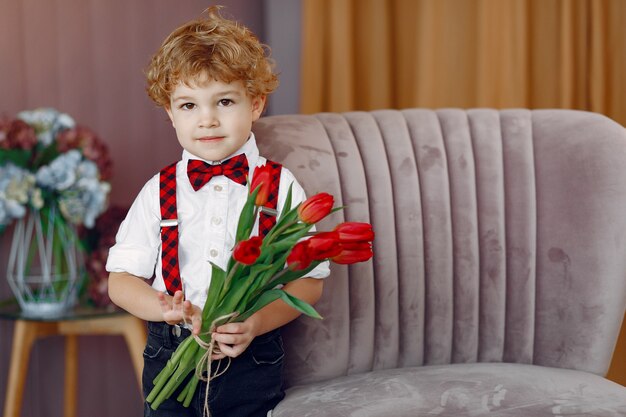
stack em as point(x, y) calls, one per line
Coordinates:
point(208, 119)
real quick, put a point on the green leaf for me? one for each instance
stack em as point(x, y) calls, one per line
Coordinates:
point(18, 157)
point(289, 276)
point(287, 203)
point(235, 273)
point(299, 305)
point(257, 278)
point(288, 215)
point(256, 270)
point(273, 295)
point(267, 275)
point(247, 218)
point(281, 246)
point(236, 295)
point(265, 298)
point(287, 227)
point(285, 221)
point(47, 155)
point(298, 230)
point(218, 276)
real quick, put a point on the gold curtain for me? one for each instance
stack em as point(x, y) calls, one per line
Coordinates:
point(370, 54)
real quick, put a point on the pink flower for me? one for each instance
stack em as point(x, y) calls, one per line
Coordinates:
point(17, 134)
point(91, 146)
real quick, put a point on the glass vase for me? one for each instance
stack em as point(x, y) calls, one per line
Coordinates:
point(45, 263)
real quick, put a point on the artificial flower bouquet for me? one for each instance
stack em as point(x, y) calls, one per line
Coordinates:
point(53, 177)
point(48, 162)
point(255, 274)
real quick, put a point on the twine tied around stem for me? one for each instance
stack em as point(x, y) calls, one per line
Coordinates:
point(205, 361)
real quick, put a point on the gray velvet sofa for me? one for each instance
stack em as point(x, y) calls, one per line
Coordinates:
point(498, 284)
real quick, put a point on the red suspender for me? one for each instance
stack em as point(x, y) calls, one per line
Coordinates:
point(267, 218)
point(169, 230)
point(169, 222)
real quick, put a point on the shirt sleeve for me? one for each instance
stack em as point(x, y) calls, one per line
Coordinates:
point(297, 196)
point(138, 242)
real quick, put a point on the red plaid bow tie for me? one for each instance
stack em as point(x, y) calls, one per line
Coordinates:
point(200, 172)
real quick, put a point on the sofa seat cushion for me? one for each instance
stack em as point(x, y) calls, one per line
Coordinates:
point(494, 389)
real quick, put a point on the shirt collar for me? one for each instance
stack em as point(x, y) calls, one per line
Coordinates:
point(249, 148)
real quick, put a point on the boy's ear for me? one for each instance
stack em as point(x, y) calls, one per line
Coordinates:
point(258, 105)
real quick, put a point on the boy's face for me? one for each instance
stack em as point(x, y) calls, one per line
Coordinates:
point(213, 119)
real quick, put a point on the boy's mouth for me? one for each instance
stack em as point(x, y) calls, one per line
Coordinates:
point(210, 138)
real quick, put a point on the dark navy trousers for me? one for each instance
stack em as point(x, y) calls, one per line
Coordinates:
point(250, 387)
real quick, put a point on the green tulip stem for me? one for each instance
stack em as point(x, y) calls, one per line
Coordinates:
point(191, 389)
point(178, 353)
point(180, 359)
point(229, 278)
point(274, 233)
point(159, 383)
point(279, 275)
point(184, 367)
point(183, 393)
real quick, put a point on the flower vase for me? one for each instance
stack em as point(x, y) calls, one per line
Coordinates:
point(45, 263)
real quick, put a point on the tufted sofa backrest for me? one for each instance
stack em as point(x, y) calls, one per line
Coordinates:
point(500, 237)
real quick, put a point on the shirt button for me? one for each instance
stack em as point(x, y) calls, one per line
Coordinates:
point(218, 188)
point(216, 221)
point(213, 253)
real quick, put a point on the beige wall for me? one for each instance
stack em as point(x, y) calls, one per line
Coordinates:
point(86, 58)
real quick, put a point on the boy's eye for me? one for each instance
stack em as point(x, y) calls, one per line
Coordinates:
point(225, 102)
point(187, 106)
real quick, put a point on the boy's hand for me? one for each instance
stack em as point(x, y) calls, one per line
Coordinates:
point(175, 311)
point(234, 338)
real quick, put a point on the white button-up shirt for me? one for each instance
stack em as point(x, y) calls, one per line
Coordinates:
point(207, 224)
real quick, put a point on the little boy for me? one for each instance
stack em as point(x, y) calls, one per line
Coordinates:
point(212, 78)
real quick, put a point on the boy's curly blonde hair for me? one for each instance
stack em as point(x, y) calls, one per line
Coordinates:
point(211, 46)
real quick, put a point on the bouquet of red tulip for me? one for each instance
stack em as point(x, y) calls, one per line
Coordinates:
point(255, 273)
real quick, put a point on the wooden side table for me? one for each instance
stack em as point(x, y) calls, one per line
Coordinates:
point(80, 321)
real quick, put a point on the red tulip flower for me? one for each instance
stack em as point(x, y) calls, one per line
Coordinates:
point(247, 251)
point(315, 208)
point(353, 252)
point(299, 258)
point(263, 179)
point(354, 232)
point(324, 245)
